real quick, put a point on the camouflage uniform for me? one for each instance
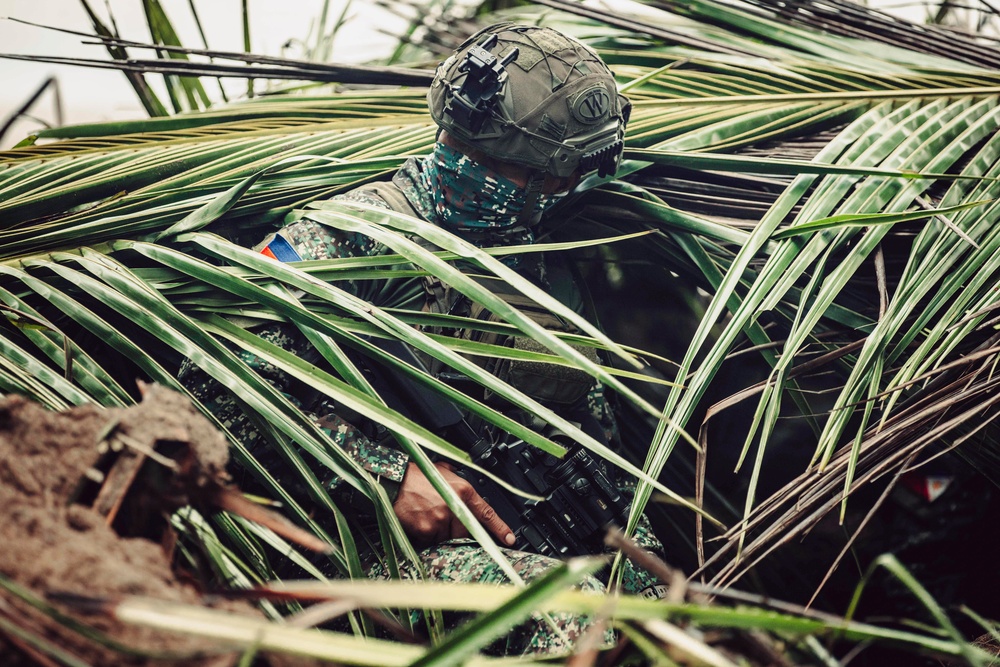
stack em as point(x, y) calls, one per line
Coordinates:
point(463, 560)
point(454, 560)
point(524, 96)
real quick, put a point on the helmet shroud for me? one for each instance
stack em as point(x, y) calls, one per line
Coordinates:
point(556, 106)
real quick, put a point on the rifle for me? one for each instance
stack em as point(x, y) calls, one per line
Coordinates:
point(578, 500)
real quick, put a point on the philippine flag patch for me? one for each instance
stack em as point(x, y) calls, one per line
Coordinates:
point(280, 249)
point(928, 487)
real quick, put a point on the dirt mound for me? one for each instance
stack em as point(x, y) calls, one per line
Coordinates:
point(68, 481)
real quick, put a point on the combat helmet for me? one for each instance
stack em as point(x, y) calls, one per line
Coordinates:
point(532, 96)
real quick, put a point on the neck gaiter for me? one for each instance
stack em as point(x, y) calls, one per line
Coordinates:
point(466, 196)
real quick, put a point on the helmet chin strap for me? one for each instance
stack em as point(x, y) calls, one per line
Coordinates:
point(532, 191)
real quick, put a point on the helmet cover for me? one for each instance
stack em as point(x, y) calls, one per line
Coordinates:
point(532, 96)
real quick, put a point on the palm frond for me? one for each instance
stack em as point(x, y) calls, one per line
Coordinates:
point(821, 202)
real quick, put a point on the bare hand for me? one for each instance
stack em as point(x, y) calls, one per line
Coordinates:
point(427, 518)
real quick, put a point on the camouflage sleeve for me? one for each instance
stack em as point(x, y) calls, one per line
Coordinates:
point(307, 239)
point(312, 240)
point(379, 460)
point(386, 463)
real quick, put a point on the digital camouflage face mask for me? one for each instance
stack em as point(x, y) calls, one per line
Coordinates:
point(467, 196)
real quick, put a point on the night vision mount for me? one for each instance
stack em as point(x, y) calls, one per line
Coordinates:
point(473, 102)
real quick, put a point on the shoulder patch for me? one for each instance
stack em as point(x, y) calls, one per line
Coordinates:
point(280, 249)
point(592, 105)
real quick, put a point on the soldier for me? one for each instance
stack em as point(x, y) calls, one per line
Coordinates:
point(524, 113)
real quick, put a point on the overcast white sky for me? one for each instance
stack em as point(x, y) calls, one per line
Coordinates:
point(96, 95)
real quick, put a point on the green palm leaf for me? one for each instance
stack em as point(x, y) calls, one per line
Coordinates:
point(123, 253)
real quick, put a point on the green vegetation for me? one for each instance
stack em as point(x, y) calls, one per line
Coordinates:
point(823, 204)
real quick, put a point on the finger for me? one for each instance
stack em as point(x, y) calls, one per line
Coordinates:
point(447, 465)
point(489, 518)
